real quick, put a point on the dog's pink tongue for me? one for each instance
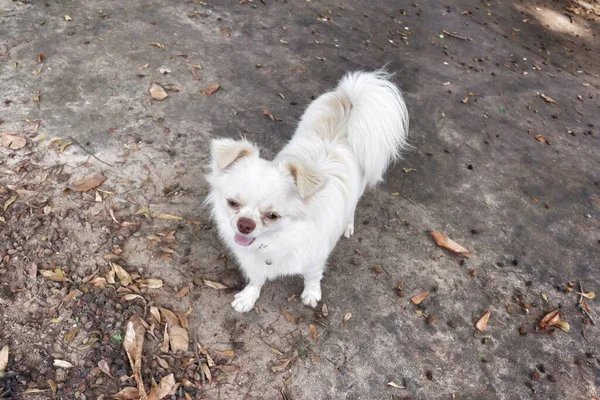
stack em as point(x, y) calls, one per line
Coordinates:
point(243, 240)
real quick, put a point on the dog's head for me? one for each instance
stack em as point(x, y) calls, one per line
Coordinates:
point(257, 196)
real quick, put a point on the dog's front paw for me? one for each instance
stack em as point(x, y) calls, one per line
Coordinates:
point(244, 300)
point(311, 296)
point(349, 230)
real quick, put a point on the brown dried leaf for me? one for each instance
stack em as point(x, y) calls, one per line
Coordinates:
point(3, 358)
point(178, 336)
point(449, 244)
point(547, 99)
point(98, 281)
point(229, 353)
point(313, 331)
point(164, 387)
point(124, 276)
point(483, 321)
point(268, 114)
point(159, 45)
point(41, 57)
point(87, 183)
point(157, 92)
point(151, 283)
point(289, 316)
point(132, 296)
point(214, 285)
point(8, 202)
point(133, 343)
point(128, 393)
point(12, 141)
point(553, 318)
point(183, 292)
point(210, 89)
point(155, 313)
point(418, 299)
point(165, 344)
point(57, 275)
point(104, 367)
point(162, 362)
point(71, 335)
point(283, 365)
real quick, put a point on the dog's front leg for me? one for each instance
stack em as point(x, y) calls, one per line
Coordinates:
point(311, 294)
point(244, 300)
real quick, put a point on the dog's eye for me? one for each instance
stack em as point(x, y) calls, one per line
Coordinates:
point(232, 203)
point(273, 216)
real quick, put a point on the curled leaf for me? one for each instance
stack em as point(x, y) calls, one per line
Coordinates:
point(133, 343)
point(347, 316)
point(449, 244)
point(3, 358)
point(63, 364)
point(289, 316)
point(395, 385)
point(214, 285)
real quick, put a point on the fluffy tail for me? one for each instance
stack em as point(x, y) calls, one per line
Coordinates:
point(377, 123)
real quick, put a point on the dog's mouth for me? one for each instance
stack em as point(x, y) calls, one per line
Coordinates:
point(243, 240)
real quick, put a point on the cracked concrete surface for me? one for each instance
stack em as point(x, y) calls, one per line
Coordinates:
point(511, 177)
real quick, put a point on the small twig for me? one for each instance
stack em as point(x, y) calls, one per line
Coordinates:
point(455, 36)
point(198, 356)
point(581, 305)
point(87, 151)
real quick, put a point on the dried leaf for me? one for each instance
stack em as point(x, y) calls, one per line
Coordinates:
point(87, 183)
point(418, 299)
point(547, 99)
point(98, 281)
point(395, 385)
point(313, 331)
point(268, 114)
point(229, 353)
point(68, 18)
point(214, 285)
point(289, 316)
point(9, 202)
point(63, 364)
point(41, 57)
point(151, 283)
point(178, 336)
point(165, 344)
point(57, 275)
point(163, 363)
point(324, 310)
point(12, 141)
point(553, 318)
point(128, 393)
point(483, 321)
point(71, 335)
point(159, 45)
point(164, 70)
point(124, 276)
point(155, 313)
point(347, 316)
point(3, 358)
point(282, 366)
point(164, 387)
point(133, 344)
point(183, 292)
point(207, 372)
point(167, 216)
point(130, 297)
point(541, 139)
point(588, 295)
point(449, 244)
point(210, 89)
point(157, 92)
point(104, 367)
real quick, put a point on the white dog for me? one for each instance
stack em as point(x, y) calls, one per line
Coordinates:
point(284, 217)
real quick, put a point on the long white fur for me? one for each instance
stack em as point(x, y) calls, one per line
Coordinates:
point(344, 143)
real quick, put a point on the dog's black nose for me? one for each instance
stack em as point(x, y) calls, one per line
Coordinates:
point(246, 225)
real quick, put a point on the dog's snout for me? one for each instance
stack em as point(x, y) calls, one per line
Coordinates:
point(246, 225)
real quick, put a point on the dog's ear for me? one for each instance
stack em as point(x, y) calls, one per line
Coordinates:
point(224, 152)
point(308, 179)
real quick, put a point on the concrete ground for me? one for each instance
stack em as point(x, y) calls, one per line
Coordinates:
point(510, 174)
